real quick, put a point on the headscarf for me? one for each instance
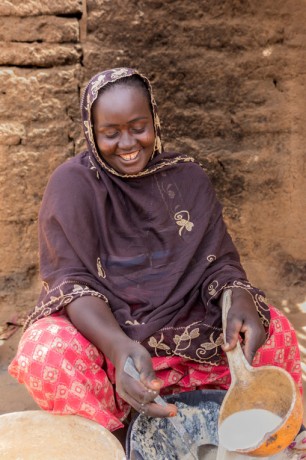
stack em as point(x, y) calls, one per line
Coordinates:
point(152, 245)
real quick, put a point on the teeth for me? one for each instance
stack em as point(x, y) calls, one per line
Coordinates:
point(129, 156)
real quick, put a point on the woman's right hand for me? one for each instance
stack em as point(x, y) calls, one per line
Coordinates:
point(94, 319)
point(139, 394)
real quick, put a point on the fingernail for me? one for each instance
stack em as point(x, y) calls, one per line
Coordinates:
point(172, 410)
point(156, 383)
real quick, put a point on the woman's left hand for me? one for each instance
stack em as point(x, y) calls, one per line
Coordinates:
point(243, 319)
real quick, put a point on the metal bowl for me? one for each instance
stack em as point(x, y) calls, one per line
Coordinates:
point(155, 438)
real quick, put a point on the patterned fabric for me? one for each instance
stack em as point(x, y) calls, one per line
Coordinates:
point(297, 450)
point(66, 374)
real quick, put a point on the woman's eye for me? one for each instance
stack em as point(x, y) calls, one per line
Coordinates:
point(138, 130)
point(111, 135)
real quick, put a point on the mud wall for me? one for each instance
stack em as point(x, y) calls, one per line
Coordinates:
point(229, 82)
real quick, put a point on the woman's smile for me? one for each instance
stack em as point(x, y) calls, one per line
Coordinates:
point(130, 156)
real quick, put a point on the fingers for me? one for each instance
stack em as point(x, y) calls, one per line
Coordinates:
point(249, 348)
point(147, 374)
point(138, 391)
point(243, 320)
point(156, 410)
point(254, 338)
point(142, 390)
point(146, 405)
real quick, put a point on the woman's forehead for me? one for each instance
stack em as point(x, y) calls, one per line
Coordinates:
point(121, 103)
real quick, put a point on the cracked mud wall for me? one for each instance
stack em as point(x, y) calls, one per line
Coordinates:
point(229, 82)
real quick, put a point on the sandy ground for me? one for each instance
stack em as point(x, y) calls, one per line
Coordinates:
point(14, 397)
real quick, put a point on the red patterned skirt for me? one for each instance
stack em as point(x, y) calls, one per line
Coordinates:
point(66, 374)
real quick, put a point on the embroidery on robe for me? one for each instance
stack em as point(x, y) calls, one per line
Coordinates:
point(101, 271)
point(204, 351)
point(183, 221)
point(46, 286)
point(183, 341)
point(57, 296)
point(93, 167)
point(133, 323)
point(212, 344)
point(212, 288)
point(159, 345)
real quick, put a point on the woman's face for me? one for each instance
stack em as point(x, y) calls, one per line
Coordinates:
point(123, 128)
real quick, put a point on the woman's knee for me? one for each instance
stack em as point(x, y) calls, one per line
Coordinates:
point(52, 343)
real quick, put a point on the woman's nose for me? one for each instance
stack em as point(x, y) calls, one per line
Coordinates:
point(126, 141)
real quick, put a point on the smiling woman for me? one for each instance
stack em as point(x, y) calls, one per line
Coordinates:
point(123, 126)
point(134, 257)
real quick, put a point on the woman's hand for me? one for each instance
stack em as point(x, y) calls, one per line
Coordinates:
point(139, 394)
point(243, 319)
point(94, 319)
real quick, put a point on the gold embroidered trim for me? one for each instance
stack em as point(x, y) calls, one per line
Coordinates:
point(146, 172)
point(133, 323)
point(212, 288)
point(184, 340)
point(183, 343)
point(46, 286)
point(159, 345)
point(183, 220)
point(186, 337)
point(93, 167)
point(210, 346)
point(79, 290)
point(101, 271)
point(258, 299)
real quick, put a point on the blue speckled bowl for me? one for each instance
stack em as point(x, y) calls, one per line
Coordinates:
point(155, 439)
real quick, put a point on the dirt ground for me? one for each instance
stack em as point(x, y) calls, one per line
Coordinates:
point(14, 397)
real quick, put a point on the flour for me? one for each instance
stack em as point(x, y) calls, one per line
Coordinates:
point(245, 429)
point(153, 438)
point(223, 454)
point(207, 452)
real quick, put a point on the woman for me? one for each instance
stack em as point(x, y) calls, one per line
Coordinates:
point(134, 258)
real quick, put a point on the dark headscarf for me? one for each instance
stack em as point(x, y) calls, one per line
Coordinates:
point(153, 245)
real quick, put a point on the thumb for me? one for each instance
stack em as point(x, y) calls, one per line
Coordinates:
point(249, 348)
point(232, 334)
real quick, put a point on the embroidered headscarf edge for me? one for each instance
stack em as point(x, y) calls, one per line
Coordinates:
point(90, 94)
